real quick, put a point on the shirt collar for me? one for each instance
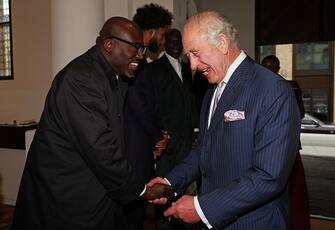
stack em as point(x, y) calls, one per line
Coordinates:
point(233, 66)
point(171, 59)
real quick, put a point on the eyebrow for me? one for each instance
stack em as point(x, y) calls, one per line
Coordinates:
point(192, 51)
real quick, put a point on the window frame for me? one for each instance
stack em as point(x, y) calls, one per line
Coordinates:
point(11, 76)
point(317, 79)
point(312, 72)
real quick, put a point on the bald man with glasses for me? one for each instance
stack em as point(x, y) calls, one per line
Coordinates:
point(77, 175)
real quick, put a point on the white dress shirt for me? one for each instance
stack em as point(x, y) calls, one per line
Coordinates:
point(226, 78)
point(176, 65)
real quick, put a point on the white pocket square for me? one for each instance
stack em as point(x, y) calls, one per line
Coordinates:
point(234, 115)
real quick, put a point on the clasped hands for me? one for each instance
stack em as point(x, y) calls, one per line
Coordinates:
point(159, 191)
point(183, 208)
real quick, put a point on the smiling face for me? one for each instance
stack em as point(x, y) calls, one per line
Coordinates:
point(120, 37)
point(125, 57)
point(212, 61)
point(173, 43)
point(210, 42)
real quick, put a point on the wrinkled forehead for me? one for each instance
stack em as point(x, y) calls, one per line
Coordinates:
point(192, 38)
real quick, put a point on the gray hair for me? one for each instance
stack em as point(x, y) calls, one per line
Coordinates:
point(211, 25)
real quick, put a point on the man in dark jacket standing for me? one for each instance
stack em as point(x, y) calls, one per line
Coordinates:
point(143, 133)
point(175, 109)
point(76, 175)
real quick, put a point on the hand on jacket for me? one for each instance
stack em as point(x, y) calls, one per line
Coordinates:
point(158, 191)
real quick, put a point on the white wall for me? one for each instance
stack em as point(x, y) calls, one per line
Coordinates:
point(23, 97)
point(242, 15)
point(11, 167)
point(75, 25)
point(127, 8)
point(116, 8)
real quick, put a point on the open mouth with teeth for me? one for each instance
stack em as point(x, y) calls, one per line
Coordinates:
point(205, 71)
point(133, 66)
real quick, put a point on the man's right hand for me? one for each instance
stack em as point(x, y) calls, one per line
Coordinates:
point(158, 180)
point(162, 144)
point(158, 191)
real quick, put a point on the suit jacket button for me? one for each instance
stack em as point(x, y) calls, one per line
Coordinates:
point(119, 115)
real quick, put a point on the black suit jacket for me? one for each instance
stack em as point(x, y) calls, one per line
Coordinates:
point(175, 108)
point(142, 129)
point(76, 175)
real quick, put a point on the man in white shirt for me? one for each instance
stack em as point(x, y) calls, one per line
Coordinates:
point(174, 107)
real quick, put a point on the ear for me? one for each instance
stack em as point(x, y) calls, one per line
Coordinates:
point(224, 43)
point(108, 44)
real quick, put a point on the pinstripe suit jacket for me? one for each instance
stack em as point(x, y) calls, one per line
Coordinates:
point(244, 165)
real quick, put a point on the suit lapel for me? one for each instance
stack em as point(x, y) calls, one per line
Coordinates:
point(172, 70)
point(186, 74)
point(233, 89)
point(206, 107)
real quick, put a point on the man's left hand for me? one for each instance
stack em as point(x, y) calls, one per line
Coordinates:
point(184, 209)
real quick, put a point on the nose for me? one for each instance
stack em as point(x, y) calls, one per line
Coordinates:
point(194, 62)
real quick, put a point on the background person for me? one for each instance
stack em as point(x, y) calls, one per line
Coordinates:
point(143, 132)
point(175, 109)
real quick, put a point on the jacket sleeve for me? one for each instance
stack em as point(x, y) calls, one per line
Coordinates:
point(85, 110)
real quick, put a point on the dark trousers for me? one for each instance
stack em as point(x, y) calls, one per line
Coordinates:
point(135, 214)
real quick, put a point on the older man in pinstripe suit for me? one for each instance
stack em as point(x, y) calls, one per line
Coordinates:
point(249, 136)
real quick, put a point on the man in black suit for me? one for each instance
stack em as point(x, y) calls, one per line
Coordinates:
point(76, 174)
point(175, 108)
point(143, 132)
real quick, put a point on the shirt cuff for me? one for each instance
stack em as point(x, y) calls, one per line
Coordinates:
point(200, 213)
point(143, 191)
point(167, 181)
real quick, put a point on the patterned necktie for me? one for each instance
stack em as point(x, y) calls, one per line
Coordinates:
point(217, 95)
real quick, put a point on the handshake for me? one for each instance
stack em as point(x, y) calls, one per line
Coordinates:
point(159, 191)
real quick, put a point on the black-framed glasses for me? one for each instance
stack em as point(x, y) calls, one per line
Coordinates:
point(138, 46)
